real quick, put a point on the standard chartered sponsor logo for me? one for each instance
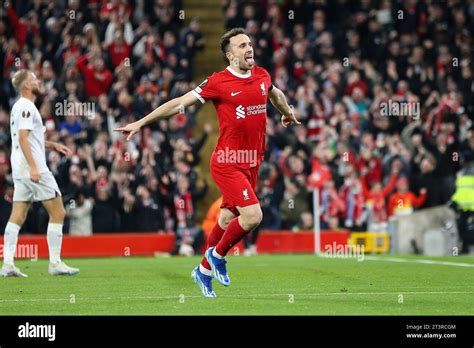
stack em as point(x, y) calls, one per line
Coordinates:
point(256, 109)
point(242, 111)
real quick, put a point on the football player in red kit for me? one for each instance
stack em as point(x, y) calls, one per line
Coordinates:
point(240, 94)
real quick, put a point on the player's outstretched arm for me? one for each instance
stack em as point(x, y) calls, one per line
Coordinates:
point(168, 109)
point(278, 100)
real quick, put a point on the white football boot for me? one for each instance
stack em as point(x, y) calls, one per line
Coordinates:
point(62, 269)
point(11, 271)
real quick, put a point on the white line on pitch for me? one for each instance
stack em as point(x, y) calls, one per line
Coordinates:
point(96, 298)
point(429, 262)
point(381, 293)
point(243, 296)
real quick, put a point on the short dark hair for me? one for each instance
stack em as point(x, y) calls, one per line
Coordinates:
point(225, 39)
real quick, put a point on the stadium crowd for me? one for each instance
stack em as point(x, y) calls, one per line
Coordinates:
point(337, 61)
point(340, 63)
point(104, 64)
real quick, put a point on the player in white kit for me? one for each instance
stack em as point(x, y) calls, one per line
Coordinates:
point(32, 179)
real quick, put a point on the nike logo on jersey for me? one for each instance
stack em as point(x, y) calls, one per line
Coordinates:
point(242, 111)
point(233, 94)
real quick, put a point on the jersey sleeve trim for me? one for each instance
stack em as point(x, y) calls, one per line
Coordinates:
point(196, 94)
point(25, 126)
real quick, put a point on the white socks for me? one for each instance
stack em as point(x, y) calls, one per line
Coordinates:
point(55, 238)
point(10, 239)
point(215, 254)
point(9, 242)
point(204, 270)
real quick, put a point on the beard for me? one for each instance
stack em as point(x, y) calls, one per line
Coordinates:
point(245, 66)
point(36, 91)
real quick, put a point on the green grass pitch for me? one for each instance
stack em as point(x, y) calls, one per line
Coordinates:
point(260, 285)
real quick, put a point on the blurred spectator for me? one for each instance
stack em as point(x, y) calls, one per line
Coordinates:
point(80, 216)
point(189, 235)
point(375, 201)
point(212, 217)
point(332, 206)
point(97, 78)
point(293, 204)
point(403, 202)
point(148, 214)
point(355, 212)
point(6, 202)
point(463, 203)
point(105, 216)
point(306, 222)
point(119, 49)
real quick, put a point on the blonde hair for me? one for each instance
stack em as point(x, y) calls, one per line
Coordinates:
point(18, 78)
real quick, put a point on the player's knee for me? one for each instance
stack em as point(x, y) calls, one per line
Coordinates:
point(224, 220)
point(23, 218)
point(253, 219)
point(58, 215)
point(223, 223)
point(62, 214)
point(225, 217)
point(18, 218)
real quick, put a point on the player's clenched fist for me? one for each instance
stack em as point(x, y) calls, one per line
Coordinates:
point(129, 130)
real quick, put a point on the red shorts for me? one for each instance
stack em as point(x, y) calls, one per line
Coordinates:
point(236, 185)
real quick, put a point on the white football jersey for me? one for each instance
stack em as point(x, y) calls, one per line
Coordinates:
point(25, 115)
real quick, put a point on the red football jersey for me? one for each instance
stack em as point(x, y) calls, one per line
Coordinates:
point(241, 104)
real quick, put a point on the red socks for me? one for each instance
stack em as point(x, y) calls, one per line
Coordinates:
point(214, 238)
point(233, 234)
point(224, 240)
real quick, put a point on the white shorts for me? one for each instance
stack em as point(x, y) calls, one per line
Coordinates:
point(25, 190)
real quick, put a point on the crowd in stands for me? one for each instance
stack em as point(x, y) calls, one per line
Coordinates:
point(337, 61)
point(114, 63)
point(341, 63)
